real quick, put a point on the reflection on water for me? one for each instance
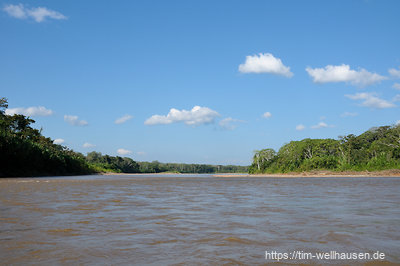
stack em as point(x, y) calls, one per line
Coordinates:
point(201, 219)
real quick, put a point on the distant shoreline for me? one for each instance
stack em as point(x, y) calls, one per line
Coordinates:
point(383, 173)
point(344, 174)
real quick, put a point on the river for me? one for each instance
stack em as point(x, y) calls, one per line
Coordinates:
point(196, 219)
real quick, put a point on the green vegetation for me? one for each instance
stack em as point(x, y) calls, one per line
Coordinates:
point(25, 152)
point(157, 167)
point(106, 163)
point(375, 149)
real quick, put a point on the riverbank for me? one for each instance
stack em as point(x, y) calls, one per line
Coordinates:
point(319, 173)
point(383, 173)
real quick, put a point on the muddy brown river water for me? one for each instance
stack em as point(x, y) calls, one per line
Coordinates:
point(196, 220)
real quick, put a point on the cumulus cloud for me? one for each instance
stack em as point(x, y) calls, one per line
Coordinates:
point(265, 63)
point(396, 86)
point(58, 141)
point(229, 123)
point(343, 73)
point(394, 72)
point(321, 125)
point(197, 116)
point(74, 120)
point(300, 127)
point(88, 145)
point(267, 115)
point(39, 14)
point(349, 114)
point(30, 111)
point(396, 98)
point(370, 100)
point(397, 122)
point(123, 119)
point(16, 11)
point(123, 152)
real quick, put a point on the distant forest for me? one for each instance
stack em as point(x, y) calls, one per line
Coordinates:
point(106, 163)
point(24, 151)
point(375, 149)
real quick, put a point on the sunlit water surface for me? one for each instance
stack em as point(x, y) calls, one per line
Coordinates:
point(194, 220)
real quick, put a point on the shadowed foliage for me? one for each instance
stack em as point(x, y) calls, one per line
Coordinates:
point(24, 151)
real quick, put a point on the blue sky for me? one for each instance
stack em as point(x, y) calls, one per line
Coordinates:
point(200, 81)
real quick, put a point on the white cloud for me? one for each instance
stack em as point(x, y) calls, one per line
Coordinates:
point(229, 123)
point(394, 72)
point(321, 125)
point(123, 119)
point(39, 14)
point(396, 98)
point(265, 63)
point(74, 120)
point(343, 73)
point(348, 114)
point(370, 100)
point(141, 153)
point(300, 127)
point(58, 141)
point(88, 145)
point(16, 11)
point(30, 111)
point(123, 152)
point(197, 116)
point(396, 86)
point(397, 122)
point(267, 115)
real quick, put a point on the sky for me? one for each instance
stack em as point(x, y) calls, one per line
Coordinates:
point(200, 81)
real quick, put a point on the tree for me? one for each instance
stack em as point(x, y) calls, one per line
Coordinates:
point(94, 157)
point(3, 105)
point(262, 158)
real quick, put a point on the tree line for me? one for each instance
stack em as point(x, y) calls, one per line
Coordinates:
point(106, 163)
point(376, 149)
point(24, 151)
